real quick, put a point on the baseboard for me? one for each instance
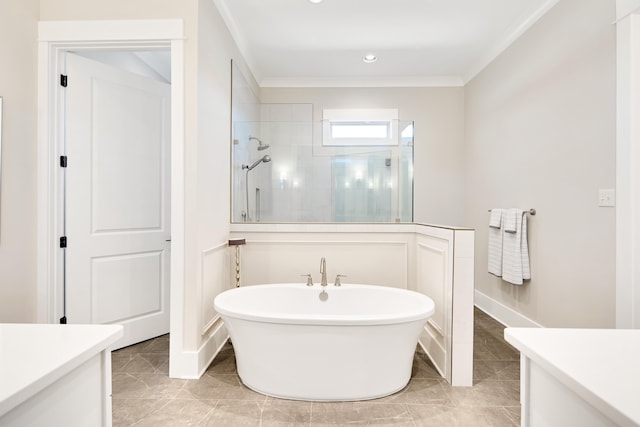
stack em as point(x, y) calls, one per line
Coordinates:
point(503, 314)
point(191, 365)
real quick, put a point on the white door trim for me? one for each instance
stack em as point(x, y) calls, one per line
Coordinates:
point(627, 167)
point(55, 37)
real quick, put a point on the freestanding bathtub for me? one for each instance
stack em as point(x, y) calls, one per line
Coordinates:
point(291, 342)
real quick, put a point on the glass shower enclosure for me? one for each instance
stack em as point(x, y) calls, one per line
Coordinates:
point(284, 171)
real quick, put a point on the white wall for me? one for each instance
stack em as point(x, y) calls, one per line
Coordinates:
point(18, 50)
point(540, 133)
point(439, 136)
point(208, 187)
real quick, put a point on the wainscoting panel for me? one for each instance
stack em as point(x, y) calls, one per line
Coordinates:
point(432, 264)
point(364, 262)
point(434, 269)
point(214, 280)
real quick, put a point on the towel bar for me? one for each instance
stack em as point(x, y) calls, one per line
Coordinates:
point(530, 211)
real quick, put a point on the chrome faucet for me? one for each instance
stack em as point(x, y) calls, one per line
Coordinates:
point(323, 272)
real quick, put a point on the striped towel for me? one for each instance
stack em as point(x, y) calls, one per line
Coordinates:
point(515, 250)
point(495, 241)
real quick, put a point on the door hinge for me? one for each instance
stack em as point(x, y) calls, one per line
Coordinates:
point(63, 161)
point(63, 80)
point(63, 241)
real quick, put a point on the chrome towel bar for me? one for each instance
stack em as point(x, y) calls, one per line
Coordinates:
point(530, 211)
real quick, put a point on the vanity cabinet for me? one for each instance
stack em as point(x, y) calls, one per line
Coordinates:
point(578, 377)
point(56, 375)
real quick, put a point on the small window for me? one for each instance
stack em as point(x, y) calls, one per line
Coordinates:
point(371, 130)
point(346, 127)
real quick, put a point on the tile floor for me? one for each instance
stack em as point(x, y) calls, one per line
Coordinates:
point(144, 395)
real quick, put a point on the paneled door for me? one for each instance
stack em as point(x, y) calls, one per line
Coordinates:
point(117, 207)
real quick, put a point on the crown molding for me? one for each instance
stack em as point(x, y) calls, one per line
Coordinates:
point(503, 43)
point(395, 81)
point(418, 81)
point(237, 37)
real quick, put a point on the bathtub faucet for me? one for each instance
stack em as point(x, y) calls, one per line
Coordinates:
point(323, 272)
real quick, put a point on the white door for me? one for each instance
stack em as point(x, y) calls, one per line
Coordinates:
point(117, 199)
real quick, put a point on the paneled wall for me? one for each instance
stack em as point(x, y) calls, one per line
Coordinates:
point(444, 269)
point(382, 260)
point(212, 278)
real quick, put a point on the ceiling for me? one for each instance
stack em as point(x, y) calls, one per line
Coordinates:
point(417, 42)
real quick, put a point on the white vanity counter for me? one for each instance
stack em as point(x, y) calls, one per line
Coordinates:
point(586, 377)
point(56, 374)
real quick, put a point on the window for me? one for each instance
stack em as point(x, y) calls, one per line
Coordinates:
point(347, 127)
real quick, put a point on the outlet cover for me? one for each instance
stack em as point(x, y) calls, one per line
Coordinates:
point(606, 198)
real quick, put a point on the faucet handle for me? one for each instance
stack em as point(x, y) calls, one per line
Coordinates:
point(309, 279)
point(337, 282)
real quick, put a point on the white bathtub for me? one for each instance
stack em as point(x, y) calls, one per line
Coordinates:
point(358, 344)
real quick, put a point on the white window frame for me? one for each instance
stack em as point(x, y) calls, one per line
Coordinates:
point(360, 116)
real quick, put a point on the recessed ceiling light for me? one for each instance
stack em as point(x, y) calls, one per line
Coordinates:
point(316, 1)
point(369, 58)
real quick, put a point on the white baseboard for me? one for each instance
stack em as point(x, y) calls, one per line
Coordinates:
point(503, 314)
point(191, 365)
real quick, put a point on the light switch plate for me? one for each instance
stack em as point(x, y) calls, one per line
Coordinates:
point(607, 198)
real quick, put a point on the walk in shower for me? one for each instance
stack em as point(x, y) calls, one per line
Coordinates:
point(301, 180)
point(288, 168)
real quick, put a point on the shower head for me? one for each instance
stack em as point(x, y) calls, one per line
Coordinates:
point(261, 145)
point(266, 158)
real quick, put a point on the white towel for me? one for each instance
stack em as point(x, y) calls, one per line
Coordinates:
point(495, 242)
point(511, 220)
point(495, 219)
point(515, 250)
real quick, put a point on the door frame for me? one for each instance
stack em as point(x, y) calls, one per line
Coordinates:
point(55, 38)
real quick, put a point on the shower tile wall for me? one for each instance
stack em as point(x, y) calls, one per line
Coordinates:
point(300, 187)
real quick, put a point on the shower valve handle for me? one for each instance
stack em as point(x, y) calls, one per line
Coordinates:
point(309, 279)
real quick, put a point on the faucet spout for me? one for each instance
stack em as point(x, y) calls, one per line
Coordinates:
point(323, 272)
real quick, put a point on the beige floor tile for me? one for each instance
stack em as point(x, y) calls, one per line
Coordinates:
point(423, 367)
point(502, 370)
point(179, 413)
point(127, 412)
point(422, 391)
point(226, 387)
point(224, 363)
point(281, 413)
point(236, 413)
point(119, 360)
point(487, 393)
point(146, 363)
point(452, 416)
point(360, 413)
point(145, 386)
